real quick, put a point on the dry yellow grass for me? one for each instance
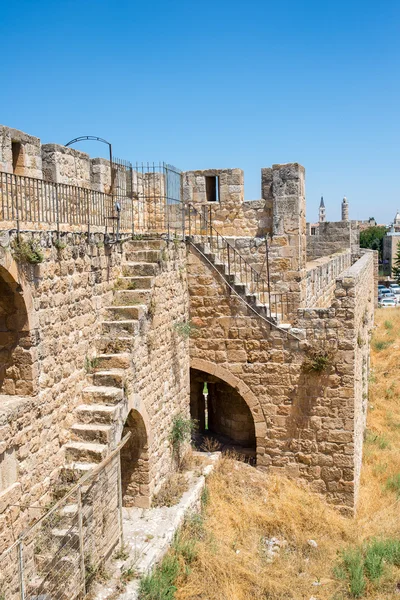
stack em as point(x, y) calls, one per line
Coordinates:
point(246, 506)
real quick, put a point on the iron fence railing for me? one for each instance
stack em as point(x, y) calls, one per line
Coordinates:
point(60, 554)
point(25, 201)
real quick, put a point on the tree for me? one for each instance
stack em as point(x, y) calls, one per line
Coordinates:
point(372, 238)
point(396, 265)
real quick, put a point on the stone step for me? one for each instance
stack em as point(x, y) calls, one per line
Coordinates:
point(113, 313)
point(117, 328)
point(109, 378)
point(82, 452)
point(139, 255)
point(76, 469)
point(139, 269)
point(132, 297)
point(142, 282)
point(144, 244)
point(67, 536)
point(114, 361)
point(116, 344)
point(97, 413)
point(92, 432)
point(102, 394)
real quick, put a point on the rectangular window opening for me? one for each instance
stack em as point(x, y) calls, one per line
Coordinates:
point(16, 156)
point(212, 188)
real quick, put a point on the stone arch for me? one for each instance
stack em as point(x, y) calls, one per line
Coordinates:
point(135, 472)
point(16, 337)
point(245, 393)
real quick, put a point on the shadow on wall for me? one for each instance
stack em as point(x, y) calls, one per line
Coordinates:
point(135, 463)
point(16, 372)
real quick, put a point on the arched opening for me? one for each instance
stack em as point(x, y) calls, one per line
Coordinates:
point(16, 372)
point(135, 463)
point(222, 414)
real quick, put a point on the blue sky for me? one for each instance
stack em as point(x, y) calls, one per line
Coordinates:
point(218, 84)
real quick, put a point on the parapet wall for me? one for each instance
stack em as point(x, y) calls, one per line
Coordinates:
point(321, 276)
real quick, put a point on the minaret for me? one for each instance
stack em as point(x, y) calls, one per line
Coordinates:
point(345, 209)
point(322, 210)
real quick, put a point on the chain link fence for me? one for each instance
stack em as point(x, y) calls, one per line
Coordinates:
point(59, 556)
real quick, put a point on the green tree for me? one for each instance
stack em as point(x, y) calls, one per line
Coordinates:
point(373, 238)
point(396, 265)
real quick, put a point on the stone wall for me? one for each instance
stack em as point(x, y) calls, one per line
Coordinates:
point(332, 237)
point(305, 422)
point(20, 153)
point(321, 278)
point(65, 299)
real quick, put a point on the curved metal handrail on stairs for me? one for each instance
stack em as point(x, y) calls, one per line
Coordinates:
point(235, 268)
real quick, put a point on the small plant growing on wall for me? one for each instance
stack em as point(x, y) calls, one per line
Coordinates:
point(186, 329)
point(59, 244)
point(318, 360)
point(180, 435)
point(91, 364)
point(27, 251)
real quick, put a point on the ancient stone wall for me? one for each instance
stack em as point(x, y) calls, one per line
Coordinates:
point(331, 237)
point(321, 278)
point(65, 298)
point(20, 153)
point(304, 422)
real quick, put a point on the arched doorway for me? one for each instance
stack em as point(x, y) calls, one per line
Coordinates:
point(135, 463)
point(222, 413)
point(16, 373)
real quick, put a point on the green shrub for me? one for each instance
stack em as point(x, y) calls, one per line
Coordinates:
point(27, 251)
point(388, 325)
point(181, 433)
point(318, 361)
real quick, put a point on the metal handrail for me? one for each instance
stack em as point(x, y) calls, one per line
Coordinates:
point(236, 264)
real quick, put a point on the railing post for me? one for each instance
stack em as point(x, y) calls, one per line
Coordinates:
point(183, 221)
point(81, 546)
point(21, 569)
point(121, 523)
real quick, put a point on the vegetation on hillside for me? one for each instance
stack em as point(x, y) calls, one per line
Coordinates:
point(225, 553)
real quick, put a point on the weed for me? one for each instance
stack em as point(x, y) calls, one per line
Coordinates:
point(181, 433)
point(388, 325)
point(205, 496)
point(122, 553)
point(60, 245)
point(91, 363)
point(318, 361)
point(393, 484)
point(125, 283)
point(185, 547)
point(128, 574)
point(187, 329)
point(159, 585)
point(381, 344)
point(360, 341)
point(27, 251)
point(172, 490)
point(354, 566)
point(151, 309)
point(379, 440)
point(210, 444)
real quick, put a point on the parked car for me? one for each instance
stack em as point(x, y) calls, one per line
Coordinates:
point(387, 303)
point(385, 292)
point(381, 287)
point(395, 288)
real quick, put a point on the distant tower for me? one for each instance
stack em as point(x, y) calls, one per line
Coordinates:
point(345, 209)
point(322, 210)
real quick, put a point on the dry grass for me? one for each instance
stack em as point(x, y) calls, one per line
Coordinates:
point(172, 490)
point(245, 507)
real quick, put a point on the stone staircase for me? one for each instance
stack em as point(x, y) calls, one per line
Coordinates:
point(99, 418)
point(274, 314)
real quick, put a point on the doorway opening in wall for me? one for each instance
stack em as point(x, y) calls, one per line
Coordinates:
point(135, 463)
point(212, 188)
point(224, 421)
point(17, 161)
